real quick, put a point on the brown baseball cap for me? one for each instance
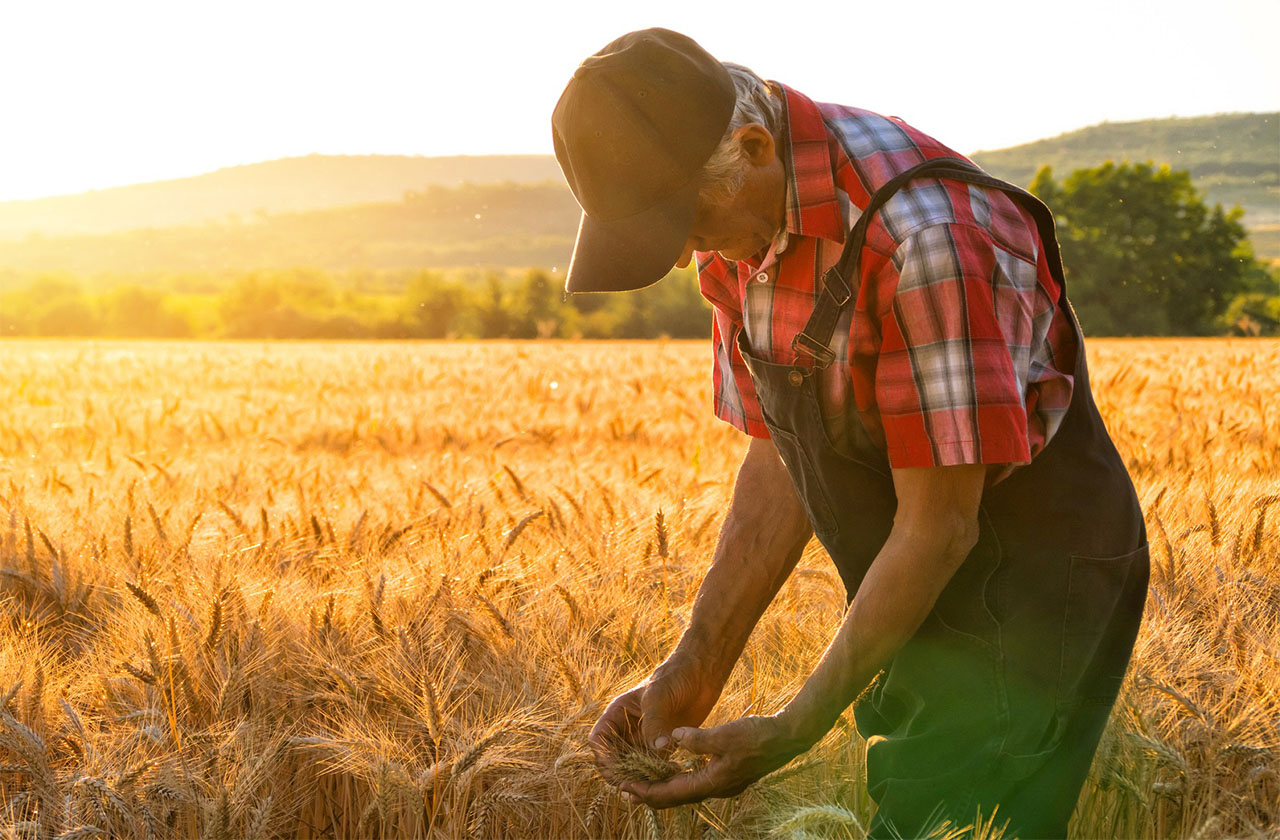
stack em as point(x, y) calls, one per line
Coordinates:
point(632, 131)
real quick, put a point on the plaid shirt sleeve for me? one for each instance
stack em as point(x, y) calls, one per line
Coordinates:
point(946, 383)
point(734, 392)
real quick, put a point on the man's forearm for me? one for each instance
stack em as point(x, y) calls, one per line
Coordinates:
point(763, 536)
point(932, 534)
point(895, 596)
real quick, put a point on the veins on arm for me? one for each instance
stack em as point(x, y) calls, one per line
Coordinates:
point(764, 534)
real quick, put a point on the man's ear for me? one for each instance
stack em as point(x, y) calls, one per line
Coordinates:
point(757, 141)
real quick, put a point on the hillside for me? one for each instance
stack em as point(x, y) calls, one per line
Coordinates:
point(278, 186)
point(336, 212)
point(512, 225)
point(1233, 158)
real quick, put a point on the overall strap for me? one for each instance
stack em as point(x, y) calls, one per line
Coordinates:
point(815, 339)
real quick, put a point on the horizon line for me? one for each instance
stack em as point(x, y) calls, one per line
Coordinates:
point(312, 154)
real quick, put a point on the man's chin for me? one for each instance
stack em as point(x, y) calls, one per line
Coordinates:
point(741, 252)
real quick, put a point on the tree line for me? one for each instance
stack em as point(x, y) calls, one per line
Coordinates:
point(315, 304)
point(1144, 254)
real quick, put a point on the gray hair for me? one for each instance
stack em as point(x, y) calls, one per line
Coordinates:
point(758, 102)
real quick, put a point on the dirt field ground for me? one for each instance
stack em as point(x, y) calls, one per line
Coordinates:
point(383, 590)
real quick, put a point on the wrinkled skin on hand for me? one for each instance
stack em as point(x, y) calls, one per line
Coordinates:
point(677, 695)
point(740, 752)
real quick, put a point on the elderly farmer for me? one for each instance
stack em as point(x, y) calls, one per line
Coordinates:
point(892, 330)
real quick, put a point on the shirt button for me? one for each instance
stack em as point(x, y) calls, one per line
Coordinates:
point(762, 277)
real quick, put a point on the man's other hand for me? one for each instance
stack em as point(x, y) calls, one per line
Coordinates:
point(677, 695)
point(740, 752)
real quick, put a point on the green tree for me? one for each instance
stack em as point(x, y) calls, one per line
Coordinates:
point(433, 305)
point(1255, 311)
point(263, 304)
point(678, 308)
point(53, 304)
point(494, 311)
point(67, 316)
point(538, 306)
point(1144, 254)
point(131, 310)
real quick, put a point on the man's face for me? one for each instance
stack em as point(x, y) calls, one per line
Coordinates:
point(749, 221)
point(732, 231)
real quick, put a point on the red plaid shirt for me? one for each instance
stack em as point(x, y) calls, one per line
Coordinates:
point(953, 349)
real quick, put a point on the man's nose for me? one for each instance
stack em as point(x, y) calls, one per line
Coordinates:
point(686, 255)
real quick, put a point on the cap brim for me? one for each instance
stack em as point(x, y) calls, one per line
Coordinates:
point(633, 252)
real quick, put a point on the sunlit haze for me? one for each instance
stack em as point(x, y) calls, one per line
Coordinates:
point(105, 94)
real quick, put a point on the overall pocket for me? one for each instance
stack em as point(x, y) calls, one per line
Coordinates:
point(1105, 597)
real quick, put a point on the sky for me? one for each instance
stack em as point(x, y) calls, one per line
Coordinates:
point(100, 94)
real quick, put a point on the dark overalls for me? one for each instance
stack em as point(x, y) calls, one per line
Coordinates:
point(1002, 695)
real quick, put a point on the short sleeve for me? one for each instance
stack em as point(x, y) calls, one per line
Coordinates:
point(947, 387)
point(734, 391)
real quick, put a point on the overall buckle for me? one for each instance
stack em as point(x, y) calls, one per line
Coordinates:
point(807, 345)
point(834, 285)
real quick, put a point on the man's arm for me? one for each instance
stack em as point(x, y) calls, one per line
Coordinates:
point(764, 534)
point(935, 527)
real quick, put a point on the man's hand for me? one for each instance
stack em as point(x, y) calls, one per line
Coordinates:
point(740, 752)
point(764, 533)
point(677, 695)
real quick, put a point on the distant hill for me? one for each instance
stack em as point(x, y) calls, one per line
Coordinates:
point(277, 186)
point(338, 212)
point(1233, 158)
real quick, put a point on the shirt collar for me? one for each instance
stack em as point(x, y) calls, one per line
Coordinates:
point(812, 207)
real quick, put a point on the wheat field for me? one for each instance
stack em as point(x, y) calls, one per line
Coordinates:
point(384, 590)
